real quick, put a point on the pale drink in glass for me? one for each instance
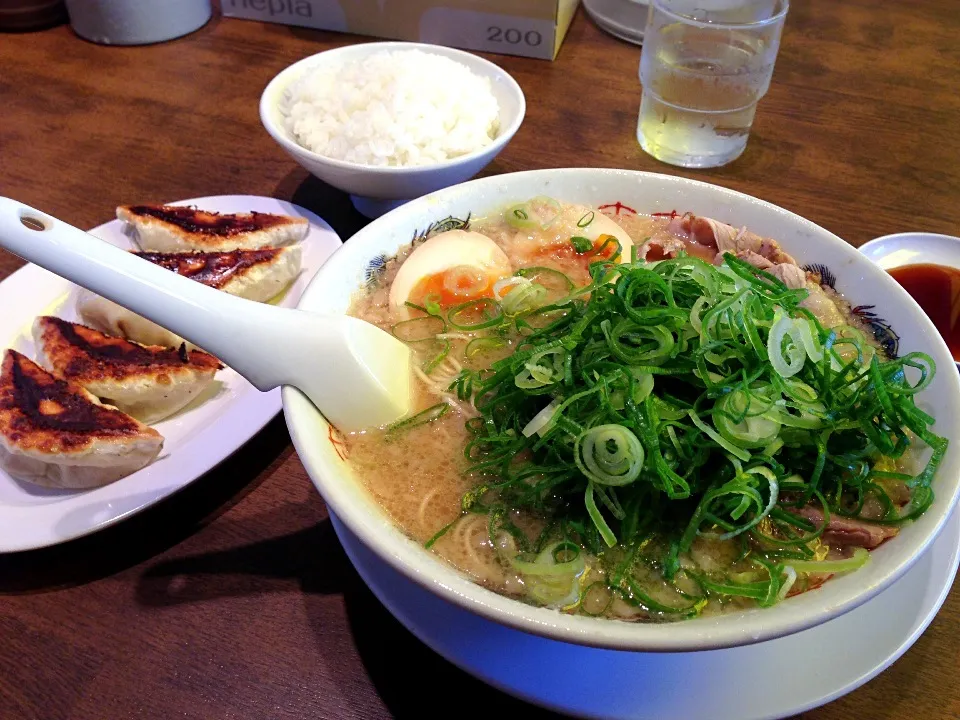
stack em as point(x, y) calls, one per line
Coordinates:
point(704, 67)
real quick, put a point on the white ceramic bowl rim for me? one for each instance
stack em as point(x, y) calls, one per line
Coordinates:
point(285, 77)
point(863, 281)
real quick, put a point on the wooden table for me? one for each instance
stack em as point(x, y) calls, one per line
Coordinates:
point(233, 599)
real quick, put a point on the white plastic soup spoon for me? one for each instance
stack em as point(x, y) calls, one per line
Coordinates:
point(356, 374)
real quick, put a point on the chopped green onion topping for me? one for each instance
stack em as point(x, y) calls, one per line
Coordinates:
point(581, 244)
point(668, 405)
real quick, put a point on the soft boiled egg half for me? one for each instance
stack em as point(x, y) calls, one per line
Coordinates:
point(450, 268)
point(580, 221)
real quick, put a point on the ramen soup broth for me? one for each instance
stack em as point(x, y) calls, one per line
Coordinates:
point(424, 479)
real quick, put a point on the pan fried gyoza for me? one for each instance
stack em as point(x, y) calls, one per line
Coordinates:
point(56, 434)
point(173, 229)
point(147, 382)
point(257, 275)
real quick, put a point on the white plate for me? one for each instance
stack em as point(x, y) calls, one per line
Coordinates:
point(774, 679)
point(196, 439)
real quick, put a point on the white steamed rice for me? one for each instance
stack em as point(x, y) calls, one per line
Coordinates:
point(401, 108)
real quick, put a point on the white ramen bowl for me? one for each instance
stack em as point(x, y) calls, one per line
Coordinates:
point(375, 190)
point(864, 284)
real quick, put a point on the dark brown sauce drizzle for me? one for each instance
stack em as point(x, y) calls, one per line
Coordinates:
point(118, 352)
point(212, 269)
point(77, 414)
point(936, 288)
point(208, 223)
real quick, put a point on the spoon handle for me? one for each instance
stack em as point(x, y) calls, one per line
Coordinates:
point(245, 335)
point(356, 374)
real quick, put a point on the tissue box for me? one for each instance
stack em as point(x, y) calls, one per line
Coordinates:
point(533, 28)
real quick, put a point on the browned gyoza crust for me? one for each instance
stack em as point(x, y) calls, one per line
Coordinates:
point(214, 269)
point(43, 414)
point(202, 222)
point(85, 355)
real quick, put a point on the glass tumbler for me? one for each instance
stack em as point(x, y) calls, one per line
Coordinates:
point(704, 67)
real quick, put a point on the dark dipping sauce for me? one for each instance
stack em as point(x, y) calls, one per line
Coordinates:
point(936, 288)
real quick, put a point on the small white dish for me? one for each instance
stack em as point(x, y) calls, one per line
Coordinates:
point(376, 190)
point(196, 439)
point(912, 248)
point(775, 679)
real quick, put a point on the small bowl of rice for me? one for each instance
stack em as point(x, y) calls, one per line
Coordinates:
point(390, 121)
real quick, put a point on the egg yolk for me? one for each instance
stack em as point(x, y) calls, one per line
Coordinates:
point(453, 286)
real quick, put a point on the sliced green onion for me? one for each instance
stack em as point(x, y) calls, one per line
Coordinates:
point(421, 328)
point(483, 344)
point(547, 565)
point(809, 419)
point(594, 512)
point(773, 489)
point(644, 385)
point(434, 412)
point(639, 344)
point(475, 315)
point(542, 369)
point(507, 284)
point(581, 244)
point(789, 363)
point(431, 304)
point(702, 302)
point(596, 588)
point(518, 216)
point(756, 429)
point(440, 533)
point(791, 575)
point(804, 328)
point(860, 557)
point(563, 592)
point(800, 392)
point(559, 286)
point(431, 353)
point(609, 455)
point(538, 213)
point(542, 421)
point(717, 438)
point(522, 295)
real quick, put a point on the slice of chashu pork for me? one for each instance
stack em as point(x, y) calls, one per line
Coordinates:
point(147, 382)
point(56, 434)
point(712, 239)
point(258, 275)
point(174, 228)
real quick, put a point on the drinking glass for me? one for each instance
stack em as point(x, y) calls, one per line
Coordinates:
point(704, 67)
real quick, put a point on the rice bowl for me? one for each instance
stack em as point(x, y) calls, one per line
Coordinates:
point(377, 189)
point(393, 108)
